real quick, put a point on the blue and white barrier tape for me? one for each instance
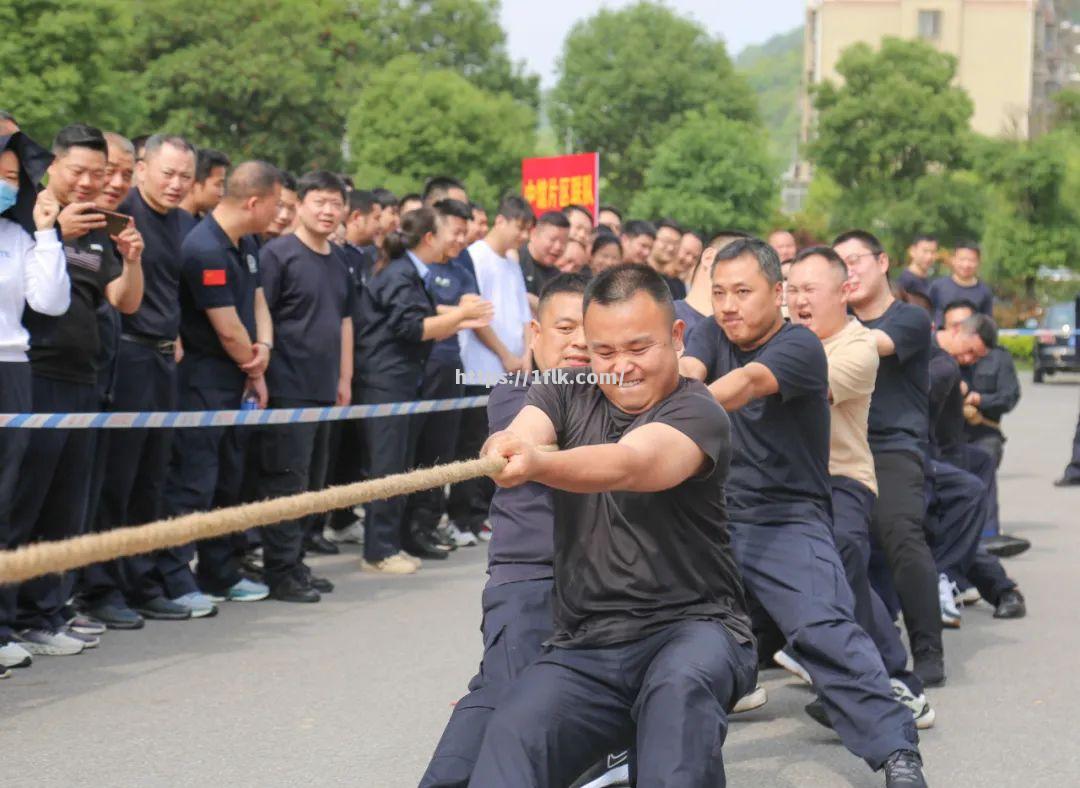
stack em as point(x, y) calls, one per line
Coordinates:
point(228, 418)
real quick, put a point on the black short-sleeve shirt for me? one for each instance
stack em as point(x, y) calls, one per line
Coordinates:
point(899, 413)
point(946, 404)
point(628, 564)
point(68, 346)
point(687, 314)
point(780, 458)
point(215, 273)
point(535, 274)
point(158, 315)
point(309, 294)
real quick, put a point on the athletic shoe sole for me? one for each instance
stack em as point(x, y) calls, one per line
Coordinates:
point(41, 650)
point(926, 718)
point(5, 673)
point(620, 775)
point(752, 700)
point(969, 596)
point(25, 663)
point(950, 622)
point(791, 666)
point(203, 612)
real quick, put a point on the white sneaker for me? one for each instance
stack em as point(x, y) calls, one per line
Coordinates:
point(792, 666)
point(49, 644)
point(393, 565)
point(920, 706)
point(12, 655)
point(462, 538)
point(412, 559)
point(969, 596)
point(755, 699)
point(950, 614)
point(353, 533)
point(485, 532)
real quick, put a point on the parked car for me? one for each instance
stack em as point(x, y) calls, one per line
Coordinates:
point(1055, 341)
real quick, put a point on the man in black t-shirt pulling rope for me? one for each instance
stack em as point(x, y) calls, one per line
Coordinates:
point(651, 634)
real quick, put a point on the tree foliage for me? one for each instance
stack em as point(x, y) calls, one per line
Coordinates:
point(710, 172)
point(625, 79)
point(411, 122)
point(773, 70)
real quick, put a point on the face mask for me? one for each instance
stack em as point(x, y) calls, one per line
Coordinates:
point(8, 194)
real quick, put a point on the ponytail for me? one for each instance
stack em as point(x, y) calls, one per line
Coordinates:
point(414, 226)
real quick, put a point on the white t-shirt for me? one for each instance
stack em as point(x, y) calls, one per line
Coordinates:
point(34, 271)
point(500, 281)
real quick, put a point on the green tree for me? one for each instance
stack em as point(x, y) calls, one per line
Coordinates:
point(411, 122)
point(774, 72)
point(62, 62)
point(711, 172)
point(625, 79)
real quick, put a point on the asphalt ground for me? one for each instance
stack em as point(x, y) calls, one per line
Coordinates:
point(355, 690)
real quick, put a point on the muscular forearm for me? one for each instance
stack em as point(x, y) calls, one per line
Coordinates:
point(591, 469)
point(733, 390)
point(126, 292)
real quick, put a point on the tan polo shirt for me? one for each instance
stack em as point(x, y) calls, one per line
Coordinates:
point(853, 364)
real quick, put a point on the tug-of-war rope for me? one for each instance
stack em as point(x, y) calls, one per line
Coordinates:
point(42, 558)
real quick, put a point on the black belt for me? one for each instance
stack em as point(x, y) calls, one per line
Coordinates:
point(166, 347)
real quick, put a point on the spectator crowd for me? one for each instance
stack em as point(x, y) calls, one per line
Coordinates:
point(148, 275)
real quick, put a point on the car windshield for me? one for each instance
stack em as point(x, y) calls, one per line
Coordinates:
point(1059, 315)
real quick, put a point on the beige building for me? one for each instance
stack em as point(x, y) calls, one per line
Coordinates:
point(1010, 54)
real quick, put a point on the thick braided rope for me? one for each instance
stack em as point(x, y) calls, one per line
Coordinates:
point(44, 558)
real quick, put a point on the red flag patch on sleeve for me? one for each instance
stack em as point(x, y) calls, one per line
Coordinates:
point(213, 277)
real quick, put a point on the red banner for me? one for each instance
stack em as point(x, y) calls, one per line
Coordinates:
point(552, 183)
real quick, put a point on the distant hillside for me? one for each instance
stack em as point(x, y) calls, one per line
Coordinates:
point(774, 71)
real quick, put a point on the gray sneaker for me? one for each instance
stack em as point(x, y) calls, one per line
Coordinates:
point(50, 644)
point(88, 641)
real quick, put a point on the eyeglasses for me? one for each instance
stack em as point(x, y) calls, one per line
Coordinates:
point(852, 259)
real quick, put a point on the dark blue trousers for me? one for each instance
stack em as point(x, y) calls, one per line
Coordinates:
point(15, 397)
point(669, 692)
point(955, 514)
point(436, 443)
point(1072, 470)
point(982, 464)
point(470, 500)
point(853, 504)
point(517, 620)
point(50, 501)
point(794, 571)
point(135, 471)
point(201, 458)
point(390, 444)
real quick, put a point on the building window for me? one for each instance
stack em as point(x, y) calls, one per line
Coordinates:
point(930, 25)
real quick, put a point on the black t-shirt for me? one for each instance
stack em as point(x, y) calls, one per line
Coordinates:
point(946, 404)
point(676, 286)
point(780, 459)
point(899, 407)
point(309, 294)
point(911, 282)
point(67, 347)
point(687, 314)
point(215, 274)
point(628, 564)
point(523, 517)
point(536, 275)
point(158, 315)
point(447, 283)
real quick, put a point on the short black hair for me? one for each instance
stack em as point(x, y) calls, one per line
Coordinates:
point(385, 198)
point(555, 219)
point(288, 180)
point(636, 227)
point(155, 142)
point(767, 259)
point(960, 303)
point(563, 283)
point(610, 209)
point(620, 283)
point(580, 209)
point(361, 200)
point(475, 206)
point(411, 196)
point(835, 260)
point(730, 235)
point(5, 115)
point(79, 135)
point(924, 237)
point(206, 160)
point(605, 239)
point(437, 188)
point(984, 327)
point(450, 207)
point(869, 240)
point(972, 245)
point(347, 180)
point(669, 224)
point(515, 208)
point(139, 143)
point(320, 181)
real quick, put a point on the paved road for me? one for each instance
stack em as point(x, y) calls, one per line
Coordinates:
point(355, 691)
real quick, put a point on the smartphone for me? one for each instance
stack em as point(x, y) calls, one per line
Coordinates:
point(115, 223)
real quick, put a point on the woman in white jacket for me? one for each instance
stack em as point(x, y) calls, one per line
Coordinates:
point(32, 271)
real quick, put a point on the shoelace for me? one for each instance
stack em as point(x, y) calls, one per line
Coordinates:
point(904, 765)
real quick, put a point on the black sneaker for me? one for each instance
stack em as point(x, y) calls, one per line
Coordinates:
point(816, 710)
point(117, 616)
point(292, 589)
point(1011, 605)
point(315, 542)
point(320, 584)
point(1004, 546)
point(611, 770)
point(161, 609)
point(929, 666)
point(903, 769)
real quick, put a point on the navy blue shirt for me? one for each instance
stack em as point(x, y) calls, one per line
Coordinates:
point(390, 352)
point(945, 291)
point(309, 295)
point(159, 313)
point(535, 274)
point(359, 262)
point(465, 261)
point(215, 274)
point(946, 405)
point(687, 314)
point(911, 282)
point(780, 443)
point(522, 518)
point(899, 414)
point(187, 222)
point(447, 283)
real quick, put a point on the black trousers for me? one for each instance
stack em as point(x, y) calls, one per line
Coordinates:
point(436, 443)
point(202, 461)
point(1072, 470)
point(137, 462)
point(470, 500)
point(285, 453)
point(571, 706)
point(348, 458)
point(15, 397)
point(50, 501)
point(897, 526)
